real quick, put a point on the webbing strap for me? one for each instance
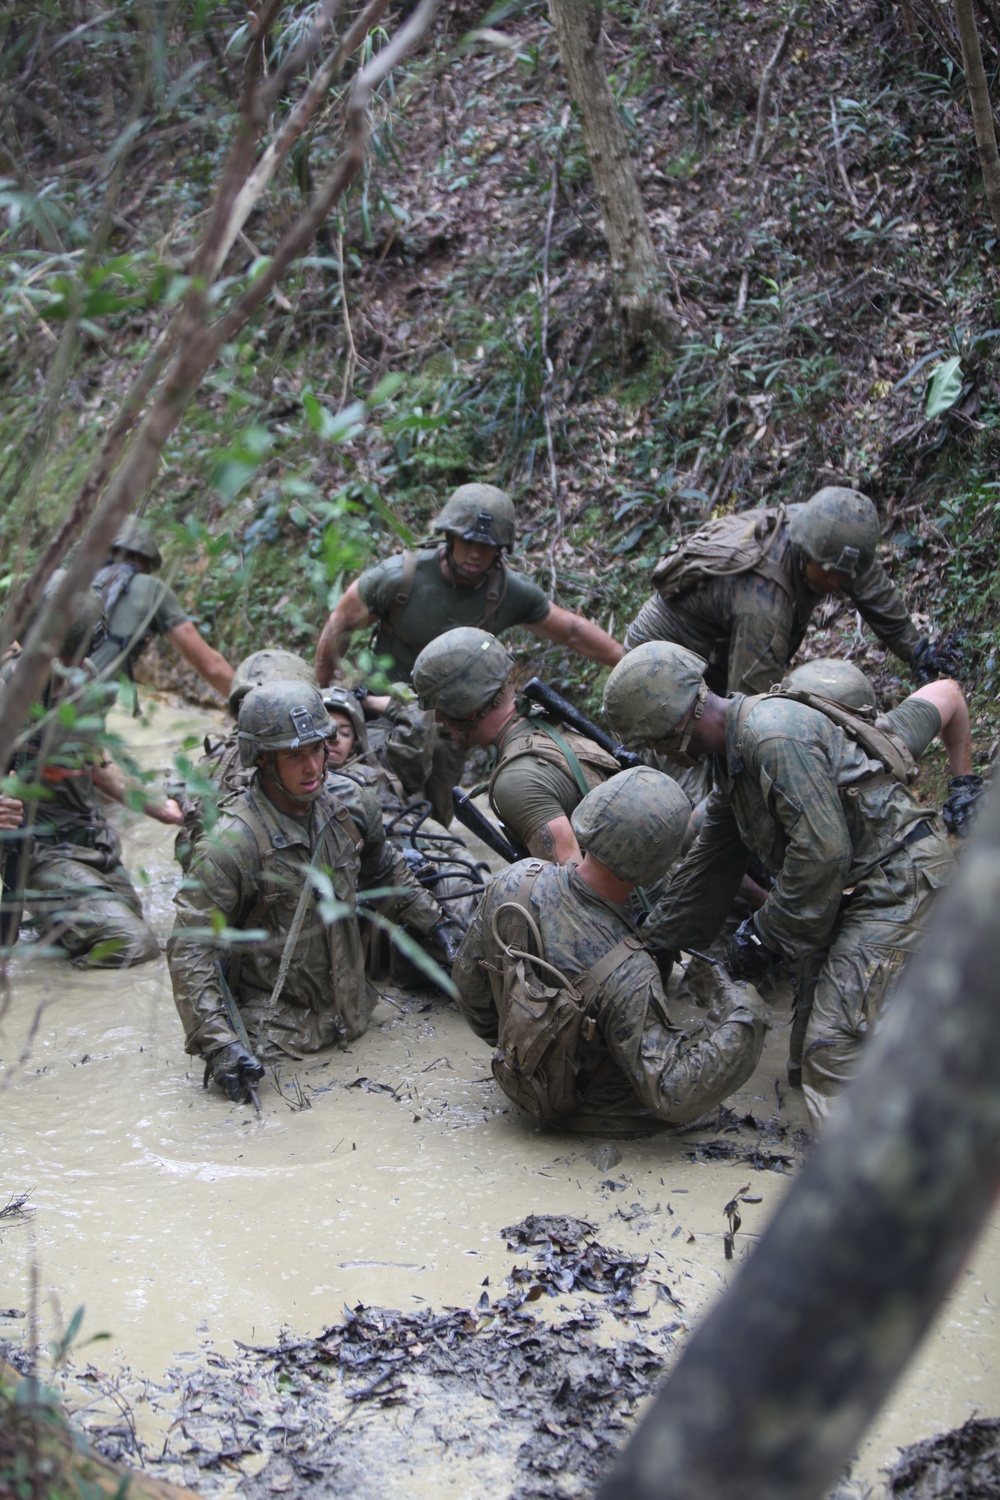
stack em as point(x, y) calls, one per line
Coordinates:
point(583, 785)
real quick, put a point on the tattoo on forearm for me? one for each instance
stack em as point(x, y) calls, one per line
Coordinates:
point(542, 844)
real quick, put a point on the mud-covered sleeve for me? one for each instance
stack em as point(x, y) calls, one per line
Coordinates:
point(879, 602)
point(677, 1076)
point(694, 905)
point(382, 864)
point(761, 640)
point(800, 791)
point(475, 993)
point(218, 886)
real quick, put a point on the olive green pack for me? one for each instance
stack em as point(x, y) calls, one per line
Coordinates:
point(737, 543)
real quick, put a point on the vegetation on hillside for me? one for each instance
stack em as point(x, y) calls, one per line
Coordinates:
point(837, 299)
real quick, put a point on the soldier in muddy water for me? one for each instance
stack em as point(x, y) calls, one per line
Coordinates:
point(554, 975)
point(740, 592)
point(540, 769)
point(303, 987)
point(856, 859)
point(416, 596)
point(71, 878)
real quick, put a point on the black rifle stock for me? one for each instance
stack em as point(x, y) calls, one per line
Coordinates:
point(477, 822)
point(539, 692)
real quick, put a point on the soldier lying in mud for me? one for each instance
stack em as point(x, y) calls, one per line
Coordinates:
point(553, 973)
point(303, 987)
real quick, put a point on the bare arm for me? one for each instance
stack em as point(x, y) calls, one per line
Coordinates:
point(11, 811)
point(555, 841)
point(955, 733)
point(580, 635)
point(350, 614)
point(112, 781)
point(205, 660)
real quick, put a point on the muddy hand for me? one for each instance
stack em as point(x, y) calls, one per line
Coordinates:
point(237, 1072)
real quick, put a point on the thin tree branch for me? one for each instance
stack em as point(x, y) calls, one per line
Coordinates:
point(764, 93)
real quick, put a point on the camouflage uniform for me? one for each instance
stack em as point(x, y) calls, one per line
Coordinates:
point(748, 626)
point(251, 871)
point(76, 886)
point(639, 1068)
point(856, 861)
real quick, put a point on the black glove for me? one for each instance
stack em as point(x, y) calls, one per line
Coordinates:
point(925, 663)
point(746, 956)
point(447, 936)
point(235, 1070)
point(962, 805)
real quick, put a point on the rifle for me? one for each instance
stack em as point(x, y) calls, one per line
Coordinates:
point(539, 692)
point(477, 822)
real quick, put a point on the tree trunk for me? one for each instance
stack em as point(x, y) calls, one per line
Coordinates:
point(644, 314)
point(982, 110)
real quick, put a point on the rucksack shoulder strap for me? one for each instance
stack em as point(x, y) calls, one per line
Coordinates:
point(599, 973)
point(402, 596)
point(496, 592)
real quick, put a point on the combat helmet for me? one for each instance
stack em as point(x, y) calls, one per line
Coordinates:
point(633, 823)
point(269, 665)
point(85, 629)
point(478, 513)
point(460, 671)
point(837, 529)
point(840, 681)
point(338, 700)
point(137, 536)
point(280, 716)
point(656, 692)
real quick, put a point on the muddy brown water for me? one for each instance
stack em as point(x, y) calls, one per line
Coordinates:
point(379, 1176)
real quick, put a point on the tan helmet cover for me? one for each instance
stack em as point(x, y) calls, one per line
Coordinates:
point(479, 512)
point(653, 692)
point(838, 529)
point(137, 536)
point(461, 671)
point(840, 681)
point(633, 823)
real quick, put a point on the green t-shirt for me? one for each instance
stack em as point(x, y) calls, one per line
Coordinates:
point(147, 607)
point(435, 605)
point(917, 723)
point(528, 793)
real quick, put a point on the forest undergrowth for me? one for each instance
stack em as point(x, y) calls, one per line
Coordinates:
point(838, 300)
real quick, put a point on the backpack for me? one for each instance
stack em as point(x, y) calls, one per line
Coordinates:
point(113, 582)
point(542, 1023)
point(722, 548)
point(560, 747)
point(877, 741)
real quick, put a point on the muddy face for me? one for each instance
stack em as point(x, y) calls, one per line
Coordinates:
point(379, 1175)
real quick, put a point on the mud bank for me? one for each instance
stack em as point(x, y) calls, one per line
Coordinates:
point(208, 1244)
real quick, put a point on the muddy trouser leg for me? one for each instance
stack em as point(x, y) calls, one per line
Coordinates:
point(802, 1003)
point(82, 908)
point(879, 928)
point(446, 772)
